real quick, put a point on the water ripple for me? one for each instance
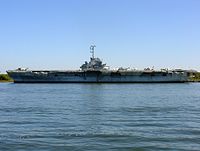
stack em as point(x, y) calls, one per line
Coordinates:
point(92, 117)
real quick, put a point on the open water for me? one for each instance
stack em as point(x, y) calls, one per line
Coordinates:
point(92, 117)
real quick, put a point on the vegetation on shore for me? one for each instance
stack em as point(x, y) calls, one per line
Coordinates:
point(5, 78)
point(195, 77)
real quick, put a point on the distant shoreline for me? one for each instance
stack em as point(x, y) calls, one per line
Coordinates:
point(4, 78)
point(195, 77)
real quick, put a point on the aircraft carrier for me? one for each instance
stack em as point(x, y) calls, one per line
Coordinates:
point(95, 71)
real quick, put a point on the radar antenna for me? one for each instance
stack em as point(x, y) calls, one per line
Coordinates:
point(92, 50)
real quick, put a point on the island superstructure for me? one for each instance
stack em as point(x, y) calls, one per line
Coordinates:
point(95, 71)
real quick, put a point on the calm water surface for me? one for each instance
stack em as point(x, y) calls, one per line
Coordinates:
point(124, 117)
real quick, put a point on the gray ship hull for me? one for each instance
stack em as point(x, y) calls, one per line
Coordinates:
point(95, 71)
point(97, 76)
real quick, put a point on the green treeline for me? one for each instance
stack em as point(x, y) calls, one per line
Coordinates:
point(5, 78)
point(195, 77)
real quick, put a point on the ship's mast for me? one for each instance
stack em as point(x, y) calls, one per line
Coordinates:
point(92, 50)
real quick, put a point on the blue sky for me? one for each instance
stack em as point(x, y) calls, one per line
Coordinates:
point(56, 34)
